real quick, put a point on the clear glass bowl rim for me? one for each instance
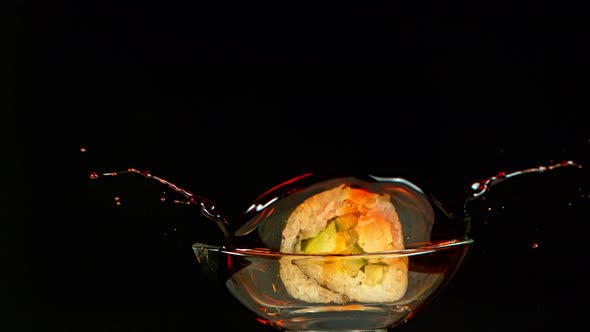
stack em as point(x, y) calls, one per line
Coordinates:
point(268, 253)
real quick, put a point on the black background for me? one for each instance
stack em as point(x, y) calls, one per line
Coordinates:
point(228, 100)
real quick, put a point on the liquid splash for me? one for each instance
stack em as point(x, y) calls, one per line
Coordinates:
point(479, 188)
point(207, 207)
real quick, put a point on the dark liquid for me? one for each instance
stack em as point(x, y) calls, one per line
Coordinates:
point(481, 187)
point(208, 209)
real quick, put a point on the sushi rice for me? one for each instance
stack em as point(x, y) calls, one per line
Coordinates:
point(345, 278)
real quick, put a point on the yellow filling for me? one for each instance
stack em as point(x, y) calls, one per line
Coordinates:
point(346, 235)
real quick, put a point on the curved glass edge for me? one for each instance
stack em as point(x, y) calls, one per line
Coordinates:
point(267, 216)
point(262, 252)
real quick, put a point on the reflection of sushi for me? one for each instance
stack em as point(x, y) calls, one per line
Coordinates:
point(344, 220)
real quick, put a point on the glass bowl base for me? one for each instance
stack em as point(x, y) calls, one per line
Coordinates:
point(350, 321)
point(377, 330)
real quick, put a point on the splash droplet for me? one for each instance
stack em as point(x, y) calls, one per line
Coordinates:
point(82, 149)
point(535, 245)
point(477, 186)
point(208, 209)
point(481, 187)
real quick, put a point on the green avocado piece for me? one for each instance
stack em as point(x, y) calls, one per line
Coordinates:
point(352, 266)
point(345, 222)
point(324, 242)
point(356, 249)
point(348, 244)
point(373, 274)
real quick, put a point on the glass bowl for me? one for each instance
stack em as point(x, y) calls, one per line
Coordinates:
point(268, 266)
point(333, 253)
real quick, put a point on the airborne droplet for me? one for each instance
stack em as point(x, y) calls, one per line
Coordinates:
point(207, 207)
point(479, 188)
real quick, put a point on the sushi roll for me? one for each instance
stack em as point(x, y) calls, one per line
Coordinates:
point(342, 222)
